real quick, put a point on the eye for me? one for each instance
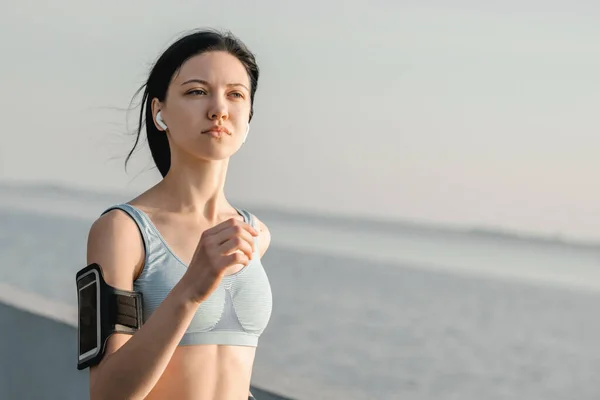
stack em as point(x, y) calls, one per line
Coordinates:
point(196, 92)
point(238, 95)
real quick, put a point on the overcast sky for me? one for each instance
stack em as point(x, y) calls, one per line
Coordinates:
point(462, 114)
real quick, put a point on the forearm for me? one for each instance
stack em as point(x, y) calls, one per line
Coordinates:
point(133, 370)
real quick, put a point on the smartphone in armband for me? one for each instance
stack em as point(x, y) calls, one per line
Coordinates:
point(101, 311)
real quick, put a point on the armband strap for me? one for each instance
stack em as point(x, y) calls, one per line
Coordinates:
point(102, 311)
point(125, 310)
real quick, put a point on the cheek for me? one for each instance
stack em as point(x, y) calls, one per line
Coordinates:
point(188, 114)
point(241, 112)
point(193, 108)
point(240, 122)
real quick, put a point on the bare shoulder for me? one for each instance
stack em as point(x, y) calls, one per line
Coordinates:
point(264, 237)
point(114, 242)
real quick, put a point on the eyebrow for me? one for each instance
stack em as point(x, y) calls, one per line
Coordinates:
point(203, 82)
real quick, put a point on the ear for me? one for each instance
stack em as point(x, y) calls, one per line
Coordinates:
point(158, 118)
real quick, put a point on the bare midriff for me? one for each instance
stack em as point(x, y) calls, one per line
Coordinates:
point(206, 372)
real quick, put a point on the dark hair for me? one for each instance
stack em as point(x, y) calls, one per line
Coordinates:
point(162, 72)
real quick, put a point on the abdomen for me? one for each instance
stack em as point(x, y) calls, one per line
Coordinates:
point(206, 372)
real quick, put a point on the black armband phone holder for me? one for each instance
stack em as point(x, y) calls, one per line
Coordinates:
point(102, 310)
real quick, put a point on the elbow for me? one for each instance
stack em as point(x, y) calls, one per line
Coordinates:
point(104, 388)
point(99, 387)
point(95, 394)
point(96, 388)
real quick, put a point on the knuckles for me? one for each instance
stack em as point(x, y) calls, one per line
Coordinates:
point(208, 242)
point(239, 257)
point(232, 221)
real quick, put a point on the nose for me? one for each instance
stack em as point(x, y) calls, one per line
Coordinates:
point(218, 110)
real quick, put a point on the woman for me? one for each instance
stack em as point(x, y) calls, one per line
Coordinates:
point(193, 256)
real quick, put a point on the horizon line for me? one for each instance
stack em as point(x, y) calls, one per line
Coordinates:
point(455, 228)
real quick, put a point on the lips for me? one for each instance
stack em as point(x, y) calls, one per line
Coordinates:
point(213, 133)
point(216, 132)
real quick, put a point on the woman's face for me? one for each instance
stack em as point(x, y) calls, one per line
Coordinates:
point(207, 107)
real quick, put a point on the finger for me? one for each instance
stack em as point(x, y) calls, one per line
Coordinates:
point(235, 258)
point(234, 231)
point(234, 244)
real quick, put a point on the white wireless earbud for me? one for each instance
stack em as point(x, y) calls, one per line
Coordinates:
point(246, 135)
point(160, 121)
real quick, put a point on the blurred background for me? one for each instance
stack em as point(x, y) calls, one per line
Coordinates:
point(427, 170)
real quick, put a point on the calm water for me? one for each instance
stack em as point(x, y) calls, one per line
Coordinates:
point(372, 315)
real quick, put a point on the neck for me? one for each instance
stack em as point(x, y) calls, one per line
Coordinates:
point(197, 188)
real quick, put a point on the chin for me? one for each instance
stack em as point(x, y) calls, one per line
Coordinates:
point(209, 150)
point(216, 153)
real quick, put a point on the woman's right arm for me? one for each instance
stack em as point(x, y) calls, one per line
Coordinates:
point(132, 364)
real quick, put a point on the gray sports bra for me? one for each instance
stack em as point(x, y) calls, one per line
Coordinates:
point(236, 313)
